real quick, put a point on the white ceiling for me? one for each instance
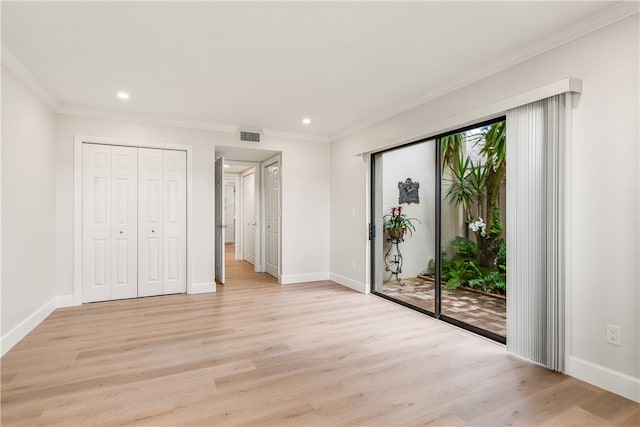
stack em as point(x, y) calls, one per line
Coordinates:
point(268, 65)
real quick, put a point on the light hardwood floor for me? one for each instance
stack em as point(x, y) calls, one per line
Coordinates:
point(256, 353)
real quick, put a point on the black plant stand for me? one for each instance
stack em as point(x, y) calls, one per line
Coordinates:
point(393, 258)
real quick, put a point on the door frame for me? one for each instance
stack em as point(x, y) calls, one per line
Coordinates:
point(371, 200)
point(78, 140)
point(258, 265)
point(263, 212)
point(219, 222)
point(233, 179)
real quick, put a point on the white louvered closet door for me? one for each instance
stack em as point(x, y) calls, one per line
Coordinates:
point(161, 222)
point(109, 243)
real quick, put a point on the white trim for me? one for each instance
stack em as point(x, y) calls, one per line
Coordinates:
point(65, 301)
point(147, 119)
point(22, 329)
point(349, 283)
point(566, 85)
point(288, 279)
point(77, 201)
point(278, 134)
point(26, 77)
point(15, 335)
point(263, 213)
point(611, 15)
point(608, 379)
point(257, 184)
point(203, 288)
point(233, 178)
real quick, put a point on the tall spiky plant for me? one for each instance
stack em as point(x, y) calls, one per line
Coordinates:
point(477, 187)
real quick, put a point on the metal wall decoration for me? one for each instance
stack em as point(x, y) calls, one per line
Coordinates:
point(408, 191)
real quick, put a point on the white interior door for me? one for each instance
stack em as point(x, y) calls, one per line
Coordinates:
point(124, 222)
point(174, 230)
point(109, 192)
point(150, 237)
point(249, 217)
point(219, 219)
point(229, 212)
point(162, 222)
point(272, 218)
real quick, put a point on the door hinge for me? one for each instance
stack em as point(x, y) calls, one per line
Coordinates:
point(372, 231)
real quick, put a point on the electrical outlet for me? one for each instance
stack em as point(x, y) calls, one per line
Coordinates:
point(613, 334)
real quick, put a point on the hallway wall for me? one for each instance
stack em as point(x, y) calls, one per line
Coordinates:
point(28, 207)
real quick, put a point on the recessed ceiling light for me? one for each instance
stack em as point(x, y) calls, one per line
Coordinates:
point(227, 166)
point(123, 95)
point(306, 121)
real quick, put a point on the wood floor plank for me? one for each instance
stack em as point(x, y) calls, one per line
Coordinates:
point(257, 353)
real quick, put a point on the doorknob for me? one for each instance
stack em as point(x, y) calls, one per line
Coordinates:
point(153, 231)
point(121, 231)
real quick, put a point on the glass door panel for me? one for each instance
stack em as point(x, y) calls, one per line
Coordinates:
point(404, 216)
point(473, 260)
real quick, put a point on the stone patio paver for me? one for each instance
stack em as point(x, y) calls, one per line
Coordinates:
point(484, 311)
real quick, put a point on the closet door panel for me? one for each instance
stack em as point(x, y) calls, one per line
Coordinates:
point(150, 218)
point(96, 218)
point(175, 221)
point(124, 222)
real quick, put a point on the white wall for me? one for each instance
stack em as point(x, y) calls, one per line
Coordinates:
point(305, 174)
point(418, 163)
point(28, 207)
point(605, 254)
point(305, 194)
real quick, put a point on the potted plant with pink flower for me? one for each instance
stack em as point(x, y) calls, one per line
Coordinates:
point(396, 223)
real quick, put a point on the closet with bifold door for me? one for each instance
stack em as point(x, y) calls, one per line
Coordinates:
point(133, 222)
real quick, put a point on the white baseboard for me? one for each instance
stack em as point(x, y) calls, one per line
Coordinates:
point(65, 301)
point(203, 288)
point(21, 330)
point(349, 283)
point(287, 279)
point(608, 379)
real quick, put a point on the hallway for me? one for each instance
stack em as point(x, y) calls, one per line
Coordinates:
point(241, 272)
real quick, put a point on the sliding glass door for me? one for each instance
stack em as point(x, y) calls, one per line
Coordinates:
point(438, 210)
point(405, 185)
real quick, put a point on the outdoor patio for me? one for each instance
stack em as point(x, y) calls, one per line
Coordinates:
point(478, 309)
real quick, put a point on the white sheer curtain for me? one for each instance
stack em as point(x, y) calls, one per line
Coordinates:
point(535, 256)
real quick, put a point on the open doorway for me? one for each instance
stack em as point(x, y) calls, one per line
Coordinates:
point(247, 210)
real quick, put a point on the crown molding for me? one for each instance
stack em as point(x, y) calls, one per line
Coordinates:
point(184, 123)
point(26, 77)
point(600, 20)
point(147, 119)
point(272, 133)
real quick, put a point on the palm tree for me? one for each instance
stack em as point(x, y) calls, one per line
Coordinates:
point(477, 187)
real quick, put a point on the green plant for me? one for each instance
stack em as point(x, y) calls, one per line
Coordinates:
point(465, 248)
point(396, 220)
point(463, 268)
point(494, 281)
point(501, 257)
point(461, 272)
point(476, 187)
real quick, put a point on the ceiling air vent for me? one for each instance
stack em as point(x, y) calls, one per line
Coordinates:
point(249, 136)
